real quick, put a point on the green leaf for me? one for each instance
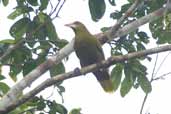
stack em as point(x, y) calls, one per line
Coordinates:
point(61, 88)
point(19, 11)
point(5, 2)
point(20, 55)
point(131, 1)
point(29, 66)
point(116, 15)
point(51, 30)
point(41, 105)
point(116, 75)
point(60, 42)
point(44, 4)
point(143, 37)
point(57, 69)
point(7, 41)
point(55, 107)
point(4, 87)
point(33, 2)
point(155, 4)
point(160, 32)
point(97, 9)
point(138, 68)
point(19, 28)
point(126, 86)
point(2, 77)
point(112, 2)
point(42, 18)
point(128, 81)
point(41, 34)
point(75, 111)
point(142, 34)
point(125, 7)
point(33, 101)
point(145, 84)
point(31, 35)
point(140, 47)
point(104, 29)
point(14, 70)
point(164, 37)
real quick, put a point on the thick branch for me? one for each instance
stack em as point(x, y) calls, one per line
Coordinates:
point(132, 26)
point(116, 27)
point(106, 63)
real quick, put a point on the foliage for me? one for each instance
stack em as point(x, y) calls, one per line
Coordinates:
point(75, 111)
point(98, 8)
point(133, 70)
point(41, 105)
point(35, 28)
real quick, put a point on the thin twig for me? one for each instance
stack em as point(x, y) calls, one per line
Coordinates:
point(53, 11)
point(51, 94)
point(57, 14)
point(162, 63)
point(143, 103)
point(146, 95)
point(155, 64)
point(162, 76)
point(51, 5)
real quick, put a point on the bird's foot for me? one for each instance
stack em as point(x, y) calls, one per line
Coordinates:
point(77, 71)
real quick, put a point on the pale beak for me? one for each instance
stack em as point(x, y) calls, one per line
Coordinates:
point(70, 25)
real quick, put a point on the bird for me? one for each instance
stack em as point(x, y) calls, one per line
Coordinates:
point(89, 51)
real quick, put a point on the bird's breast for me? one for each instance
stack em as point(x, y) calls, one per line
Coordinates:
point(85, 51)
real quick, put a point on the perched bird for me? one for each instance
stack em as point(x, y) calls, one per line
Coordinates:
point(89, 51)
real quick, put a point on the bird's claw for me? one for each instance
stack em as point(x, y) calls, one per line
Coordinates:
point(77, 71)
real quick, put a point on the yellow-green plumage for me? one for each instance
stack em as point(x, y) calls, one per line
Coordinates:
point(88, 50)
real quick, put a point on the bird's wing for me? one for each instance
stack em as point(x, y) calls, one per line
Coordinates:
point(82, 63)
point(100, 51)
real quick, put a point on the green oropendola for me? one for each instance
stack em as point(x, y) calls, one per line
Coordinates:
point(89, 51)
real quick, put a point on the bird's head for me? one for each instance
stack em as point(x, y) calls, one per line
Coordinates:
point(77, 27)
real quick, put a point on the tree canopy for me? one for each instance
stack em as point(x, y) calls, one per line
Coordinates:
point(35, 47)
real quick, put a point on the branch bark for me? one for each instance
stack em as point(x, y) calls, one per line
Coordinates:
point(61, 77)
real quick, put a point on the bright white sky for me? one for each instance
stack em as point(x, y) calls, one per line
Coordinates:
point(85, 92)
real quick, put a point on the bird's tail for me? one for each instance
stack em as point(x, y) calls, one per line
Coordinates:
point(104, 80)
point(107, 85)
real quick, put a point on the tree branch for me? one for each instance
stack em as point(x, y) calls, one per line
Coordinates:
point(132, 26)
point(116, 27)
point(61, 77)
point(122, 19)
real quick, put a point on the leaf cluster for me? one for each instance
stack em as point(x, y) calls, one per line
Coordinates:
point(135, 74)
point(33, 27)
point(42, 106)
